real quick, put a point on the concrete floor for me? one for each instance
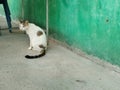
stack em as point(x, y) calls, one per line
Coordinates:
point(60, 69)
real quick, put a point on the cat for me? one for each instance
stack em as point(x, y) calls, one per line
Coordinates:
point(37, 36)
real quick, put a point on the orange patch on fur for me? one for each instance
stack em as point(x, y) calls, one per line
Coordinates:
point(41, 46)
point(39, 33)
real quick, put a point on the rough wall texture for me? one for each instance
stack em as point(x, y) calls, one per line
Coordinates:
point(92, 26)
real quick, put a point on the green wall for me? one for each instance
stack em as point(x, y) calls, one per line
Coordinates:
point(92, 26)
point(14, 8)
point(34, 10)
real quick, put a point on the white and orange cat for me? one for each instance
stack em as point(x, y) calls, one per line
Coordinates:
point(37, 36)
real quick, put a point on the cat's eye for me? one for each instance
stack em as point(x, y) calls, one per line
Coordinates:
point(21, 21)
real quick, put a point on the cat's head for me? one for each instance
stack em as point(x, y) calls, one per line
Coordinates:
point(23, 25)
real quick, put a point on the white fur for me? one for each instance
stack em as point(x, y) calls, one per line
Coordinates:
point(31, 29)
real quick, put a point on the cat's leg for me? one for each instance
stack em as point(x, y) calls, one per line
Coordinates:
point(36, 48)
point(30, 47)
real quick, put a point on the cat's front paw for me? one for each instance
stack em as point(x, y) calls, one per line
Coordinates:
point(30, 48)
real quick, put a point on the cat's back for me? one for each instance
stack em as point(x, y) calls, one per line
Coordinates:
point(34, 27)
point(36, 31)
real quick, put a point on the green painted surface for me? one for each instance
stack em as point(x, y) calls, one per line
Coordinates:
point(14, 8)
point(34, 10)
point(92, 26)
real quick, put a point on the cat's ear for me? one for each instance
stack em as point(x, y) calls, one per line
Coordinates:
point(21, 21)
point(26, 22)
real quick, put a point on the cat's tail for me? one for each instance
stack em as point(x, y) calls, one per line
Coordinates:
point(43, 52)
